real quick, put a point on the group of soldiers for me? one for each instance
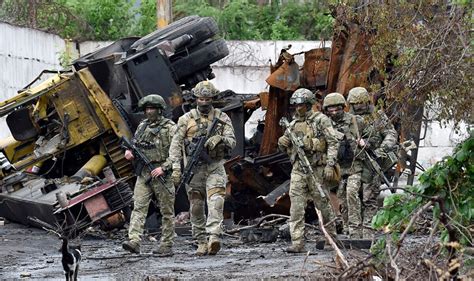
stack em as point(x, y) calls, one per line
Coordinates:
point(334, 142)
point(166, 144)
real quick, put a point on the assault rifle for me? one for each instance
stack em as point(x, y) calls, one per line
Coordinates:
point(375, 167)
point(197, 153)
point(302, 159)
point(372, 163)
point(141, 160)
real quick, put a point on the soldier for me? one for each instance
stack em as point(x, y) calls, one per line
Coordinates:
point(320, 146)
point(350, 161)
point(209, 178)
point(153, 138)
point(378, 136)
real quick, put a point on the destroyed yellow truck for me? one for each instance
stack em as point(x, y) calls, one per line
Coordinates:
point(63, 164)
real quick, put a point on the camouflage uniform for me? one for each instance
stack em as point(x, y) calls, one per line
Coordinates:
point(321, 149)
point(350, 159)
point(209, 178)
point(153, 139)
point(379, 135)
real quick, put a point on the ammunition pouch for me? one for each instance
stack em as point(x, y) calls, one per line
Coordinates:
point(345, 154)
point(387, 162)
point(219, 152)
point(320, 145)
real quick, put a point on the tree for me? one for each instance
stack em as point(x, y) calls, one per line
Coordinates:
point(113, 19)
point(422, 51)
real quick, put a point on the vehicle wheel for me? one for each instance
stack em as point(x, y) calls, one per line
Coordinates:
point(200, 57)
point(200, 29)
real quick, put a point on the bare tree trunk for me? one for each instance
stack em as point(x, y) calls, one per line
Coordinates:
point(32, 13)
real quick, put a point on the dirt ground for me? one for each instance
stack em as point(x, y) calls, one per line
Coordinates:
point(34, 253)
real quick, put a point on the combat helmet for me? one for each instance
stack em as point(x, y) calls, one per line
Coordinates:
point(302, 95)
point(358, 95)
point(205, 89)
point(152, 101)
point(334, 99)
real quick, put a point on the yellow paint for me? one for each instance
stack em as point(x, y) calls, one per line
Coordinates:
point(95, 164)
point(105, 104)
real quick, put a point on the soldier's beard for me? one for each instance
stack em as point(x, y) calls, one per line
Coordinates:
point(204, 108)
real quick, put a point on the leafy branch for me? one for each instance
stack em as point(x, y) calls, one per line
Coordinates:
point(446, 190)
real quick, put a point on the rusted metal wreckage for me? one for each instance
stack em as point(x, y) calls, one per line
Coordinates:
point(69, 169)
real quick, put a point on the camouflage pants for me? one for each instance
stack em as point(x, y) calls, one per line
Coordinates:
point(141, 197)
point(208, 183)
point(303, 189)
point(351, 206)
point(371, 183)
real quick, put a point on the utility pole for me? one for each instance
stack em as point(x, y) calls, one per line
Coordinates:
point(164, 14)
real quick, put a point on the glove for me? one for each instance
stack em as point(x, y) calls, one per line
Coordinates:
point(211, 143)
point(284, 141)
point(379, 153)
point(176, 176)
point(329, 173)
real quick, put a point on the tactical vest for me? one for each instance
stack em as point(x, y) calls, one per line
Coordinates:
point(347, 145)
point(154, 139)
point(311, 126)
point(197, 126)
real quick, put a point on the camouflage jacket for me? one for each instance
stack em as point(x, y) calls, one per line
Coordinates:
point(349, 155)
point(318, 127)
point(379, 131)
point(154, 140)
point(194, 124)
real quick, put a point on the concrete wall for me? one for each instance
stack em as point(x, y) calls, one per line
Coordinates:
point(24, 53)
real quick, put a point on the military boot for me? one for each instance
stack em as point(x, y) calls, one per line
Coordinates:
point(131, 246)
point(214, 245)
point(202, 249)
point(163, 250)
point(296, 248)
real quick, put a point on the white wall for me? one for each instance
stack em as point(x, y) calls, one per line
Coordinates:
point(247, 66)
point(24, 53)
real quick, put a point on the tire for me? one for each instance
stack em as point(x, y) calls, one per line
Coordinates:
point(200, 57)
point(200, 29)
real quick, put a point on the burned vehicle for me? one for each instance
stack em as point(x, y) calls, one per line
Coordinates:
point(66, 166)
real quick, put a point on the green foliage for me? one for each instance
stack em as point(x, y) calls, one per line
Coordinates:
point(449, 182)
point(113, 19)
point(247, 20)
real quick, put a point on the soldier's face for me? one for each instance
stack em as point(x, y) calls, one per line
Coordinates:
point(152, 113)
point(359, 108)
point(301, 109)
point(335, 112)
point(204, 104)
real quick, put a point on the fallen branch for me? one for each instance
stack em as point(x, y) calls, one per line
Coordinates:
point(304, 263)
point(392, 260)
point(339, 255)
point(261, 221)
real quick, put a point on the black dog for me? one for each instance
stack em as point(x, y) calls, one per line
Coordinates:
point(70, 260)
